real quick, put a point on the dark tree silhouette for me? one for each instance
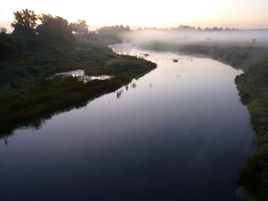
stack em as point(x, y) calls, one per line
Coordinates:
point(7, 46)
point(80, 26)
point(24, 24)
point(26, 18)
point(55, 31)
point(12, 46)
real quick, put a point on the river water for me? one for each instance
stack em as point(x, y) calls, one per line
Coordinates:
point(177, 133)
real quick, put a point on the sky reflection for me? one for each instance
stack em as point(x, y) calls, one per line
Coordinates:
point(163, 142)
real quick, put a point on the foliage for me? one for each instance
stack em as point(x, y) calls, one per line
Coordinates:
point(54, 31)
point(245, 194)
point(58, 32)
point(12, 46)
point(253, 88)
point(111, 34)
point(7, 46)
point(113, 29)
point(24, 24)
point(21, 46)
point(28, 96)
point(26, 18)
point(80, 27)
point(90, 37)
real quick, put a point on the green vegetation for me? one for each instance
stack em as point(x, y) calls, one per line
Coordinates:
point(253, 89)
point(12, 46)
point(33, 53)
point(105, 35)
point(245, 194)
point(29, 95)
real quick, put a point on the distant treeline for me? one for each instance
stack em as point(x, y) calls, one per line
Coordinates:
point(190, 28)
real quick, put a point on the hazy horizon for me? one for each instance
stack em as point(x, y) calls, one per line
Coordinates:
point(186, 37)
point(140, 14)
point(93, 27)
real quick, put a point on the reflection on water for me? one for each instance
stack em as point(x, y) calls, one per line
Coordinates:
point(82, 77)
point(178, 133)
point(120, 92)
point(133, 85)
point(5, 139)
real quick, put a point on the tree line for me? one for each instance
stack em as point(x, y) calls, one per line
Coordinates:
point(53, 31)
point(199, 29)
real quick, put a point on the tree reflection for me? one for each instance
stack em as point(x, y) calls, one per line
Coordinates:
point(8, 130)
point(4, 138)
point(119, 93)
point(133, 85)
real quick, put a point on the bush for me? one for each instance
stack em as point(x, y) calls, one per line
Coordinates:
point(21, 46)
point(7, 46)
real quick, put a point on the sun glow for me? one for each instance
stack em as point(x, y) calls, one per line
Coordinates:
point(150, 13)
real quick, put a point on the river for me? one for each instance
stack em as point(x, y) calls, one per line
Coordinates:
point(178, 133)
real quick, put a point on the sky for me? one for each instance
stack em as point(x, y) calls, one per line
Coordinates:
point(247, 14)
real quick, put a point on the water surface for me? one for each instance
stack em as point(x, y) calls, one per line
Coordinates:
point(178, 133)
point(80, 74)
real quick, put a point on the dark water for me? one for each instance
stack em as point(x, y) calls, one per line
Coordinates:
point(178, 133)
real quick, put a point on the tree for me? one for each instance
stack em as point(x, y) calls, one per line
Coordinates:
point(111, 34)
point(113, 29)
point(7, 46)
point(185, 28)
point(24, 24)
point(80, 26)
point(54, 31)
point(12, 46)
point(26, 18)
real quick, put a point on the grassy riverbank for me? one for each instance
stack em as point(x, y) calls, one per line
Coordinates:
point(238, 55)
point(253, 90)
point(28, 97)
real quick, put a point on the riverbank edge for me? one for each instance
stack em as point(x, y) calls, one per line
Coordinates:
point(253, 91)
point(37, 97)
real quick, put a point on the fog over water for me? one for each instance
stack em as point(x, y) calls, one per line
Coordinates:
point(184, 37)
